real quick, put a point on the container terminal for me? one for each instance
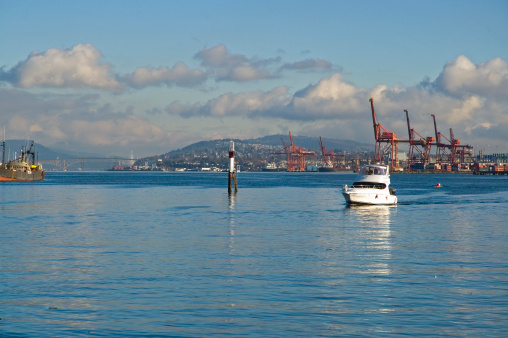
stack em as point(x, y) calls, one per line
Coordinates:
point(438, 153)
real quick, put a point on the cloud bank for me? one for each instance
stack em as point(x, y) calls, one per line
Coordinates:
point(80, 67)
point(179, 75)
point(234, 67)
point(471, 98)
point(77, 67)
point(75, 120)
point(308, 64)
point(462, 77)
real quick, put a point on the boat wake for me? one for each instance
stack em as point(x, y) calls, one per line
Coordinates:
point(446, 198)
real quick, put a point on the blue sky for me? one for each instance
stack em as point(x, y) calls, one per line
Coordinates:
point(120, 76)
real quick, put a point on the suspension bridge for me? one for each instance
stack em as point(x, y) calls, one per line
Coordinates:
point(64, 163)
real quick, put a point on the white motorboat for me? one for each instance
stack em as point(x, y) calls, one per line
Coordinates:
point(372, 186)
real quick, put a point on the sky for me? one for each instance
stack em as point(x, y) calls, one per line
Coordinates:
point(147, 77)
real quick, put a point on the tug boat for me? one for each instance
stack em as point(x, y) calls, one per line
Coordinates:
point(22, 168)
point(371, 187)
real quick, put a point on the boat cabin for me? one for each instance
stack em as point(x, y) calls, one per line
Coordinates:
point(373, 170)
point(19, 166)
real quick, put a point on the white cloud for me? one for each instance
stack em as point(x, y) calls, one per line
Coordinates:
point(229, 104)
point(121, 131)
point(462, 77)
point(234, 67)
point(77, 67)
point(80, 67)
point(333, 104)
point(237, 67)
point(308, 64)
point(466, 110)
point(465, 96)
point(179, 74)
point(330, 88)
point(78, 122)
point(330, 98)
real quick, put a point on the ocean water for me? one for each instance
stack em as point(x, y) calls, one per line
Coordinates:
point(159, 254)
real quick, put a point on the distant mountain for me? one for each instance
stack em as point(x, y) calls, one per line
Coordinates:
point(13, 147)
point(260, 150)
point(251, 154)
point(94, 163)
point(274, 143)
point(312, 143)
point(42, 153)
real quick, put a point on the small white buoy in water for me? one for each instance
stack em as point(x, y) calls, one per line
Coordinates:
point(438, 185)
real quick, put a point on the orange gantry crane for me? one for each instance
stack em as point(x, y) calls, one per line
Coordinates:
point(295, 155)
point(452, 152)
point(460, 150)
point(449, 150)
point(328, 155)
point(386, 141)
point(442, 153)
point(421, 146)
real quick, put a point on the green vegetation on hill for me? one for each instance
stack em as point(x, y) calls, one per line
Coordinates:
point(251, 154)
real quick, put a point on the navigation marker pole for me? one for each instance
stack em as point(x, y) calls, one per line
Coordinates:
point(232, 170)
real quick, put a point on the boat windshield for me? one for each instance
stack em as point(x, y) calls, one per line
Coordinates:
point(373, 171)
point(368, 185)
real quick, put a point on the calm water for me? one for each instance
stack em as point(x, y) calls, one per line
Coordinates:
point(172, 255)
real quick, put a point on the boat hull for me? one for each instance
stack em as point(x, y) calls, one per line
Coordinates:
point(16, 175)
point(372, 198)
point(372, 186)
point(326, 169)
point(270, 169)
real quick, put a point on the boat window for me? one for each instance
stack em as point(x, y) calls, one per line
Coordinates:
point(370, 185)
point(373, 171)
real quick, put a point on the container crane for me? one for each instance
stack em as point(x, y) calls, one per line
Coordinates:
point(285, 150)
point(447, 152)
point(441, 147)
point(386, 137)
point(295, 155)
point(421, 146)
point(453, 146)
point(459, 150)
point(328, 156)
